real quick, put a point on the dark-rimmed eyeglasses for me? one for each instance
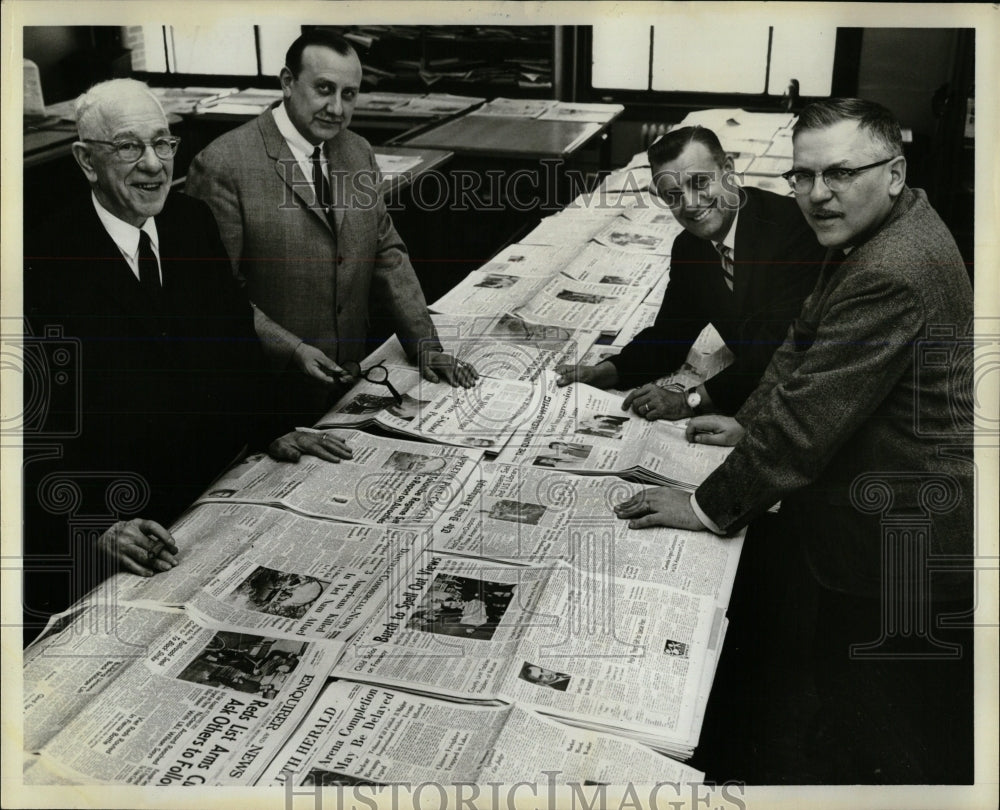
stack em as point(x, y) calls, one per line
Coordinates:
point(835, 179)
point(129, 151)
point(377, 374)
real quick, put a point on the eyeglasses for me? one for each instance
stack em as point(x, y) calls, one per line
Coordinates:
point(131, 151)
point(377, 374)
point(836, 179)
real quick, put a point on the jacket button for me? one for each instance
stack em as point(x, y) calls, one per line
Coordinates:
point(340, 260)
point(340, 309)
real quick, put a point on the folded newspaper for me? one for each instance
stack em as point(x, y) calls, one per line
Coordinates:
point(584, 430)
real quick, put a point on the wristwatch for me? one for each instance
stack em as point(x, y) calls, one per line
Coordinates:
point(693, 399)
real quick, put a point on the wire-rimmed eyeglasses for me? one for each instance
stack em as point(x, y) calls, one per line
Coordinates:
point(836, 179)
point(129, 151)
point(377, 374)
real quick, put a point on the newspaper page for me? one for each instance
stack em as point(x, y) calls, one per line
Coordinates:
point(516, 107)
point(387, 481)
point(581, 305)
point(623, 654)
point(599, 264)
point(643, 316)
point(358, 734)
point(637, 237)
point(484, 416)
point(502, 346)
point(487, 292)
point(200, 705)
point(270, 570)
point(78, 655)
point(568, 227)
point(531, 260)
point(528, 516)
point(607, 440)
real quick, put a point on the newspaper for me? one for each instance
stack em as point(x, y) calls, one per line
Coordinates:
point(573, 111)
point(197, 705)
point(269, 570)
point(485, 416)
point(608, 440)
point(532, 260)
point(581, 305)
point(358, 734)
point(638, 237)
point(643, 316)
point(79, 654)
point(620, 654)
point(387, 481)
point(603, 265)
point(501, 346)
point(515, 107)
point(487, 292)
point(567, 228)
point(529, 516)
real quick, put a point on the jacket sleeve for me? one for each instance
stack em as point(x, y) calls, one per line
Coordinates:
point(661, 349)
point(841, 358)
point(396, 284)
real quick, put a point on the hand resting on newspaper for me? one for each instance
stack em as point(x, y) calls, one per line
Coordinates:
point(659, 506)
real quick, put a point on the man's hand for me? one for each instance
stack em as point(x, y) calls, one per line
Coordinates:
point(660, 506)
point(652, 402)
point(603, 375)
point(140, 546)
point(714, 429)
point(326, 446)
point(311, 361)
point(436, 364)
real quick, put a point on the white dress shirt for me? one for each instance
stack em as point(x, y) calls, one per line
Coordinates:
point(127, 237)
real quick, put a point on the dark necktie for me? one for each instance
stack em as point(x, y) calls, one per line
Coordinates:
point(149, 271)
point(320, 182)
point(728, 266)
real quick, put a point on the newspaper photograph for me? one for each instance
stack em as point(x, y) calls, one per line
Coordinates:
point(387, 481)
point(584, 430)
point(271, 570)
point(198, 705)
point(582, 305)
point(357, 734)
point(528, 516)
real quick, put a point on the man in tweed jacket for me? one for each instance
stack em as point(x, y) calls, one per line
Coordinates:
point(861, 427)
point(312, 267)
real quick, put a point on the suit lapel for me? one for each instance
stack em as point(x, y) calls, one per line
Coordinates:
point(748, 234)
point(287, 167)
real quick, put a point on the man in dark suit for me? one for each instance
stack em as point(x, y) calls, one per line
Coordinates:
point(861, 427)
point(296, 197)
point(134, 283)
point(750, 295)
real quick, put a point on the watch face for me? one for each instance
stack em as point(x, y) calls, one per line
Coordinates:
point(693, 399)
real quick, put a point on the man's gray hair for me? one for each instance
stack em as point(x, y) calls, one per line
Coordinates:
point(872, 118)
point(90, 104)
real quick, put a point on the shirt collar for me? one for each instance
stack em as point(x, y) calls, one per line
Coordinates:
point(300, 147)
point(123, 234)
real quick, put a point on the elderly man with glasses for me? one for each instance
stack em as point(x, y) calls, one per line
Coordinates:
point(861, 427)
point(154, 368)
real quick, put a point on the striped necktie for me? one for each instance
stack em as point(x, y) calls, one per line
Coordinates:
point(728, 266)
